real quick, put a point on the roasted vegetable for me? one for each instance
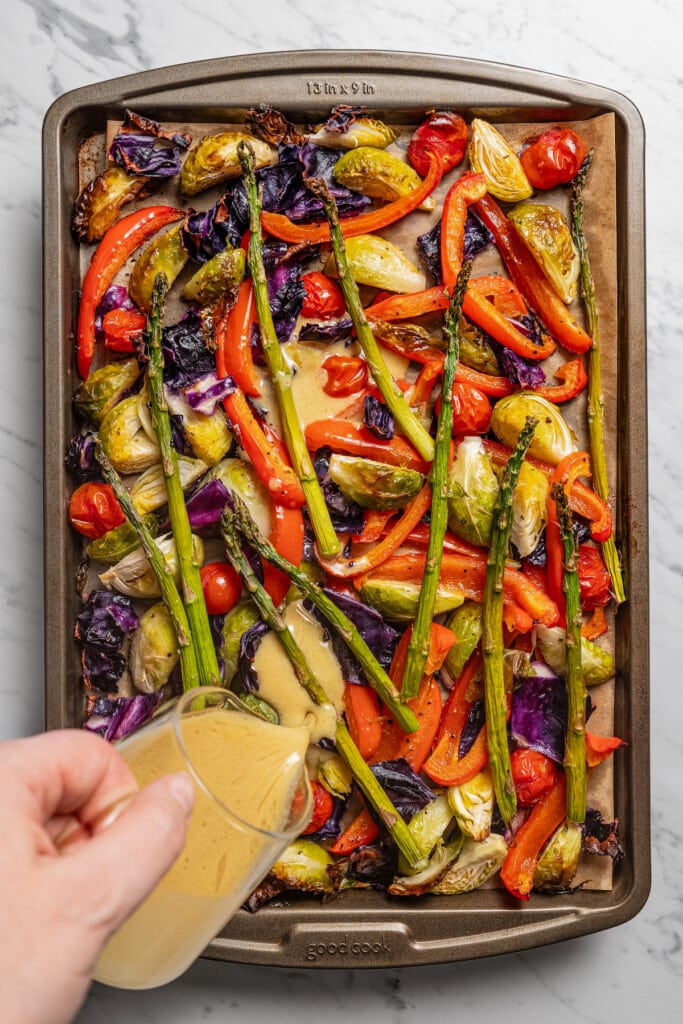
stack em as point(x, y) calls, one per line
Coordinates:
point(472, 805)
point(476, 350)
point(553, 158)
point(237, 622)
point(133, 575)
point(153, 650)
point(430, 825)
point(149, 490)
point(529, 509)
point(220, 276)
point(303, 866)
point(125, 441)
point(240, 478)
point(104, 388)
point(260, 707)
point(119, 542)
point(101, 201)
point(465, 624)
point(164, 255)
point(491, 155)
point(214, 159)
point(363, 131)
point(335, 775)
point(397, 599)
point(427, 877)
point(559, 861)
point(374, 484)
point(472, 493)
point(378, 174)
point(547, 234)
point(476, 863)
point(380, 264)
point(597, 664)
point(553, 438)
point(208, 436)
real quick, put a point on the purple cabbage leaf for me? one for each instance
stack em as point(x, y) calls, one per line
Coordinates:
point(406, 790)
point(142, 147)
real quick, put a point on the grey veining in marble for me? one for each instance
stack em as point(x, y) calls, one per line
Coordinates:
point(630, 974)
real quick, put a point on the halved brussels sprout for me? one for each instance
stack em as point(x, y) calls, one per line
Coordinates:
point(429, 875)
point(208, 436)
point(380, 264)
point(559, 861)
point(219, 276)
point(100, 202)
point(547, 234)
point(164, 255)
point(104, 388)
point(472, 493)
point(303, 866)
point(552, 440)
point(134, 576)
point(597, 664)
point(397, 599)
point(365, 131)
point(260, 707)
point(312, 572)
point(153, 650)
point(408, 336)
point(476, 350)
point(117, 543)
point(491, 155)
point(236, 623)
point(472, 805)
point(335, 776)
point(529, 508)
point(149, 490)
point(429, 826)
point(214, 159)
point(240, 478)
point(378, 174)
point(465, 624)
point(125, 440)
point(475, 865)
point(374, 484)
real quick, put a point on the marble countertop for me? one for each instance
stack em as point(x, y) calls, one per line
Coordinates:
point(47, 47)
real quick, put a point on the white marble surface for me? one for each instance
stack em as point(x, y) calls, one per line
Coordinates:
point(47, 47)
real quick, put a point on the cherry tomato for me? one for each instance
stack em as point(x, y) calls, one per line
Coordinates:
point(471, 409)
point(346, 375)
point(323, 299)
point(94, 510)
point(553, 158)
point(533, 774)
point(323, 805)
point(594, 579)
point(221, 586)
point(122, 328)
point(445, 134)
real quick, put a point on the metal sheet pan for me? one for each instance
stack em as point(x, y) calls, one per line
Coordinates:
point(364, 929)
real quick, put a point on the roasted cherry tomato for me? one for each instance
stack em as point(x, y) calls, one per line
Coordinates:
point(323, 805)
point(346, 375)
point(445, 134)
point(594, 579)
point(471, 409)
point(94, 510)
point(323, 299)
point(533, 774)
point(553, 158)
point(221, 586)
point(122, 328)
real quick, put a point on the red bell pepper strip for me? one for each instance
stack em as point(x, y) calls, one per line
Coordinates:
point(122, 328)
point(443, 764)
point(408, 306)
point(287, 537)
point(361, 706)
point(419, 536)
point(424, 382)
point(353, 440)
point(233, 341)
point(505, 296)
point(574, 379)
point(323, 806)
point(596, 625)
point(599, 748)
point(517, 872)
point(375, 524)
point(361, 832)
point(571, 467)
point(468, 189)
point(118, 243)
point(530, 279)
point(279, 226)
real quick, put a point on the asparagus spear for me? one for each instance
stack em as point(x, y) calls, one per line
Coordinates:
point(193, 598)
point(391, 393)
point(595, 399)
point(364, 778)
point(280, 373)
point(492, 630)
point(379, 680)
point(169, 591)
point(575, 742)
point(418, 647)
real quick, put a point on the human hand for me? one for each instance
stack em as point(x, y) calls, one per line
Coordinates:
point(74, 825)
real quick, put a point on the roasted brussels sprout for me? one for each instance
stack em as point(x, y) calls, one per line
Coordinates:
point(100, 202)
point(429, 826)
point(476, 350)
point(559, 861)
point(407, 336)
point(378, 174)
point(365, 131)
point(491, 155)
point(552, 439)
point(236, 623)
point(529, 508)
point(597, 664)
point(475, 865)
point(472, 493)
point(117, 543)
point(465, 624)
point(335, 776)
point(219, 276)
point(547, 234)
point(397, 599)
point(164, 255)
point(472, 805)
point(149, 490)
point(134, 576)
point(129, 447)
point(374, 484)
point(208, 436)
point(428, 876)
point(303, 866)
point(311, 571)
point(260, 707)
point(240, 478)
point(104, 388)
point(214, 159)
point(153, 650)
point(380, 264)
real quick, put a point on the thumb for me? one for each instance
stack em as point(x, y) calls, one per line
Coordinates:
point(135, 848)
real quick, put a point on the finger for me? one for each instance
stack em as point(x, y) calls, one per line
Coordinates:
point(65, 830)
point(134, 851)
point(68, 771)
